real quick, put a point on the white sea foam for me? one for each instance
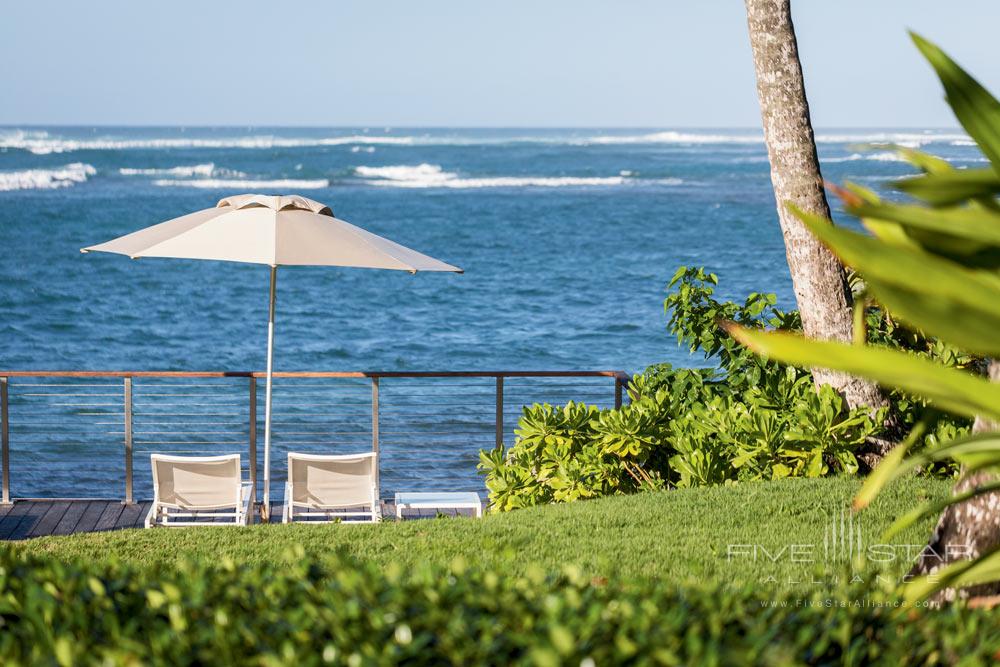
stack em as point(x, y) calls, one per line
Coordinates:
point(42, 144)
point(910, 139)
point(245, 184)
point(907, 139)
point(46, 179)
point(670, 138)
point(432, 176)
point(193, 170)
point(874, 157)
point(890, 157)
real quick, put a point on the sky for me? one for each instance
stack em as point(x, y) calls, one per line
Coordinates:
point(516, 63)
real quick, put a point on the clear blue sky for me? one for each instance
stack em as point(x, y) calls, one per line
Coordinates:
point(664, 63)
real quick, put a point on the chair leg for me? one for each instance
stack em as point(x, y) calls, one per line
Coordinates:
point(286, 508)
point(245, 510)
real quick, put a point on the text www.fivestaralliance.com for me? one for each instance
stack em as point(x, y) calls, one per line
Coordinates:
point(860, 603)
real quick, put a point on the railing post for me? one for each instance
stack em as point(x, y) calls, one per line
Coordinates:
point(375, 437)
point(4, 443)
point(128, 441)
point(618, 391)
point(253, 435)
point(499, 417)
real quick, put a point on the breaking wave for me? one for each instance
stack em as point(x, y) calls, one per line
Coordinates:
point(432, 176)
point(41, 143)
point(192, 170)
point(46, 179)
point(245, 184)
point(874, 157)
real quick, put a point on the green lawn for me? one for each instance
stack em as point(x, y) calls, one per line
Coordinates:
point(678, 536)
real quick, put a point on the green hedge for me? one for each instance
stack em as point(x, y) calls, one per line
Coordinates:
point(54, 612)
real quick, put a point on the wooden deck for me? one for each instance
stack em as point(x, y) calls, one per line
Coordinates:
point(25, 519)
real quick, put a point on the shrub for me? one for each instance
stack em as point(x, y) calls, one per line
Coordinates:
point(297, 613)
point(746, 419)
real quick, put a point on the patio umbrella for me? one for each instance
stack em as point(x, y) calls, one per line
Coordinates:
point(286, 230)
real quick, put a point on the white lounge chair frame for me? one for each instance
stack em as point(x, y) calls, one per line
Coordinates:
point(227, 498)
point(345, 489)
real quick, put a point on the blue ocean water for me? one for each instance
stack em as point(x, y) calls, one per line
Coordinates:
point(567, 238)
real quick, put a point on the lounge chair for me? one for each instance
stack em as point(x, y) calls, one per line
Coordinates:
point(332, 488)
point(199, 491)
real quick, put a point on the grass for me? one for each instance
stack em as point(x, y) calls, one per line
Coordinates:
point(681, 536)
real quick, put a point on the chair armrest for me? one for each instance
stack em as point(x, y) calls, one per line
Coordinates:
point(376, 504)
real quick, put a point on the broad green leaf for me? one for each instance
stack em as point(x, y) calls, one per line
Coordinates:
point(975, 108)
point(953, 187)
point(931, 164)
point(969, 235)
point(935, 508)
point(975, 224)
point(933, 294)
point(975, 452)
point(950, 389)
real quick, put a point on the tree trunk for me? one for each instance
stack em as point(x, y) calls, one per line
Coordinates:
point(820, 282)
point(968, 529)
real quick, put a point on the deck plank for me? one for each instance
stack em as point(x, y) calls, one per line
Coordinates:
point(9, 523)
point(144, 506)
point(50, 519)
point(69, 520)
point(4, 509)
point(89, 518)
point(109, 517)
point(34, 511)
point(130, 514)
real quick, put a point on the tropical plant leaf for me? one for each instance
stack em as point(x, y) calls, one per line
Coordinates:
point(933, 294)
point(952, 187)
point(950, 389)
point(926, 162)
point(959, 574)
point(969, 234)
point(974, 224)
point(975, 452)
point(935, 508)
point(975, 108)
point(884, 472)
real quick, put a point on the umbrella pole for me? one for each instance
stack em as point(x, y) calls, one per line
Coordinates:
point(266, 514)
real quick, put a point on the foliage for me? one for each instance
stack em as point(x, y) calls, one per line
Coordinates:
point(577, 451)
point(347, 612)
point(934, 263)
point(746, 419)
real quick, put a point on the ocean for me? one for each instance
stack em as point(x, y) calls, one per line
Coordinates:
point(567, 238)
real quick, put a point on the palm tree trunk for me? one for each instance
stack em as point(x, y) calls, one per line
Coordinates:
point(820, 282)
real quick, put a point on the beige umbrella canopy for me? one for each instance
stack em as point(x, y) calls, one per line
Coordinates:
point(284, 230)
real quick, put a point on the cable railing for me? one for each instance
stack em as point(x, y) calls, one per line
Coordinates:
point(88, 434)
